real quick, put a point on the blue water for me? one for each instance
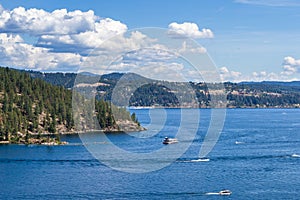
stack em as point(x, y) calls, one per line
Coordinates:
point(257, 157)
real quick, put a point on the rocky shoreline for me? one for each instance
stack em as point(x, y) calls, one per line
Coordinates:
point(51, 139)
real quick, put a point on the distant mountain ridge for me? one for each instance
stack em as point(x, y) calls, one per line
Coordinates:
point(159, 93)
point(67, 79)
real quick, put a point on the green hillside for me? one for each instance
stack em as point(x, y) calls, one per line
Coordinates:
point(161, 93)
point(32, 107)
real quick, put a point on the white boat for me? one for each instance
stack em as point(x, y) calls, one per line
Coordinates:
point(169, 140)
point(295, 155)
point(225, 192)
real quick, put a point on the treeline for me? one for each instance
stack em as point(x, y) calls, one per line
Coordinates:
point(153, 94)
point(162, 93)
point(32, 106)
point(60, 79)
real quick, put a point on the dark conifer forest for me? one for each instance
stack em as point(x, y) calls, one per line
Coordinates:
point(31, 106)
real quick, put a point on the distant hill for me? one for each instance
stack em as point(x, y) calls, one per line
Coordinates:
point(159, 93)
point(60, 79)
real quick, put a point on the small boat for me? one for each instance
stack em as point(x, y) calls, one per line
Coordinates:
point(225, 192)
point(169, 140)
point(295, 155)
point(238, 142)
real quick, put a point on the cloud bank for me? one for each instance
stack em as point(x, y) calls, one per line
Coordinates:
point(290, 72)
point(65, 39)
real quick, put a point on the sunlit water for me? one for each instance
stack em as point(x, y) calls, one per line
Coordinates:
point(256, 157)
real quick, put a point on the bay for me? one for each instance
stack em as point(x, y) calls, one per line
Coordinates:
point(256, 157)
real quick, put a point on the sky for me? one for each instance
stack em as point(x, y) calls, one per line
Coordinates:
point(247, 40)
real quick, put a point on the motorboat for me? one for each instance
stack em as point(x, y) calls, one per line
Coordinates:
point(169, 140)
point(225, 192)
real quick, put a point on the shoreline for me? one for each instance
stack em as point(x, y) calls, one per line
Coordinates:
point(229, 107)
point(53, 139)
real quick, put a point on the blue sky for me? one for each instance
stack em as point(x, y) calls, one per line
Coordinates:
point(252, 39)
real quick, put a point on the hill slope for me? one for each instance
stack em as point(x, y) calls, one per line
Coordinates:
point(160, 93)
point(32, 106)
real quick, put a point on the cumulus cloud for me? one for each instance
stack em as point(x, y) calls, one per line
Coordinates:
point(67, 40)
point(186, 48)
point(15, 53)
point(227, 75)
point(83, 41)
point(64, 38)
point(263, 76)
point(38, 22)
point(188, 29)
point(234, 76)
point(290, 66)
point(153, 61)
point(61, 30)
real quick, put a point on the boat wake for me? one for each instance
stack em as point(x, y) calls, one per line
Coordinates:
point(212, 193)
point(222, 193)
point(201, 160)
point(195, 160)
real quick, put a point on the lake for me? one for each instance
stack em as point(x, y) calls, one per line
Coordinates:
point(256, 157)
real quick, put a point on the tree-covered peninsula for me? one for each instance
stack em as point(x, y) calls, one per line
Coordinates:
point(32, 110)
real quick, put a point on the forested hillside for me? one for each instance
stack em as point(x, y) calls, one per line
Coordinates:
point(32, 106)
point(161, 93)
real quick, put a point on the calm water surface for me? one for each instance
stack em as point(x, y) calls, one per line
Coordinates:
point(256, 157)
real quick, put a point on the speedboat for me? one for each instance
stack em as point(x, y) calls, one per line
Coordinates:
point(225, 192)
point(169, 140)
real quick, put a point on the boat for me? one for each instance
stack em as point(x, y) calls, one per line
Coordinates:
point(295, 155)
point(169, 140)
point(225, 192)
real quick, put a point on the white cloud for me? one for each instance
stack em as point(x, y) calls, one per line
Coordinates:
point(290, 66)
point(64, 38)
point(61, 30)
point(234, 76)
point(67, 39)
point(104, 29)
point(15, 53)
point(291, 61)
point(8, 39)
point(290, 71)
point(188, 29)
point(146, 60)
point(227, 75)
point(38, 22)
point(263, 76)
point(191, 49)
